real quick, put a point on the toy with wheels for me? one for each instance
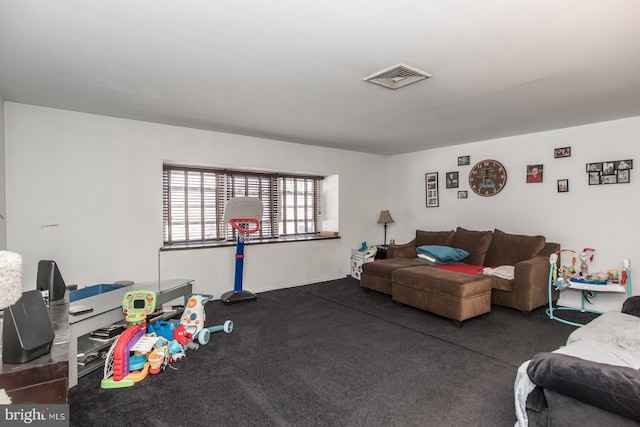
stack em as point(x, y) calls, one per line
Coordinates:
point(194, 317)
point(120, 364)
point(205, 334)
point(244, 215)
point(158, 359)
point(162, 328)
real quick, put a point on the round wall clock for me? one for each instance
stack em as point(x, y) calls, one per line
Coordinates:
point(487, 178)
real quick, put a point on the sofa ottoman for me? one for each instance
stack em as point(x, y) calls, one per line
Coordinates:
point(377, 275)
point(457, 296)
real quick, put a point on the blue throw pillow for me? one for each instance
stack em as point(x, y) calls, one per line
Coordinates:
point(443, 253)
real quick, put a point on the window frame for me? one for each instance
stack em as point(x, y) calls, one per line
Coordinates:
point(273, 188)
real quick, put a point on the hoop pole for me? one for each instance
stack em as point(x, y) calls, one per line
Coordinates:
point(237, 284)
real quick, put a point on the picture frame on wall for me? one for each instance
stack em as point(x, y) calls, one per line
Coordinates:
point(594, 167)
point(608, 179)
point(563, 186)
point(452, 180)
point(464, 160)
point(608, 168)
point(562, 152)
point(623, 176)
point(431, 184)
point(534, 173)
point(624, 164)
point(462, 194)
point(610, 172)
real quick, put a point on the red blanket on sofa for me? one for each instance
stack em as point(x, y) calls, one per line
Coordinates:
point(462, 268)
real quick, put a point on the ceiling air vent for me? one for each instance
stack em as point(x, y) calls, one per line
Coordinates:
point(397, 76)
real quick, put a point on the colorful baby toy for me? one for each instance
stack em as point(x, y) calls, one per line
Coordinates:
point(142, 349)
point(194, 317)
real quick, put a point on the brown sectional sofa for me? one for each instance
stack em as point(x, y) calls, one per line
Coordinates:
point(461, 296)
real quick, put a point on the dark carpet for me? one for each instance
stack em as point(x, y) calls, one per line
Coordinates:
point(328, 354)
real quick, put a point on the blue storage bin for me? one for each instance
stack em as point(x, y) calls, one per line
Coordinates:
point(90, 291)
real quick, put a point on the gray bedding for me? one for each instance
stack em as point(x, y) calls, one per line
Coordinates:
point(612, 339)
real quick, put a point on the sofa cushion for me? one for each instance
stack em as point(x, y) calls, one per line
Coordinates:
point(561, 410)
point(474, 242)
point(613, 388)
point(632, 306)
point(501, 283)
point(442, 238)
point(385, 267)
point(510, 249)
point(441, 282)
point(443, 253)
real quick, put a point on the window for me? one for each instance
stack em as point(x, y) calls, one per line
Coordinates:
point(194, 200)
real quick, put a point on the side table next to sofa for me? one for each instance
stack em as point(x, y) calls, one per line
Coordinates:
point(382, 251)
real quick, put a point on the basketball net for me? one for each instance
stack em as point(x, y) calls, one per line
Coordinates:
point(243, 236)
point(243, 227)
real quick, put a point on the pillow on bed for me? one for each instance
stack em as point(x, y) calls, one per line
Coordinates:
point(613, 388)
point(443, 253)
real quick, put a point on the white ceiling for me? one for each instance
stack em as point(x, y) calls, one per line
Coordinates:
point(292, 70)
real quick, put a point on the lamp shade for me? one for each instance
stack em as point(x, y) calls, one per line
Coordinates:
point(385, 218)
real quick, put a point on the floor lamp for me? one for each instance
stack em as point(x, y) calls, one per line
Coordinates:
point(385, 218)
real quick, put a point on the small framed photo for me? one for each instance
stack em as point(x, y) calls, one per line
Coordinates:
point(623, 176)
point(563, 186)
point(594, 167)
point(534, 173)
point(608, 168)
point(464, 160)
point(431, 183)
point(562, 152)
point(624, 164)
point(594, 178)
point(608, 179)
point(452, 180)
point(462, 194)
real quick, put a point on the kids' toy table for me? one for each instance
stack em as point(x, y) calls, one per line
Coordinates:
point(107, 309)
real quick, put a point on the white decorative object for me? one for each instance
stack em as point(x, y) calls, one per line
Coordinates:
point(503, 271)
point(10, 290)
point(358, 258)
point(10, 278)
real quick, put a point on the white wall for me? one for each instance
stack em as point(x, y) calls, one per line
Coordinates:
point(604, 217)
point(86, 191)
point(3, 199)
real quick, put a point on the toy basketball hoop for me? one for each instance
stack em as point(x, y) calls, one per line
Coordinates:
point(243, 225)
point(243, 214)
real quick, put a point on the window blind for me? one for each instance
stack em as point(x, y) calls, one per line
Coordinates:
point(194, 200)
